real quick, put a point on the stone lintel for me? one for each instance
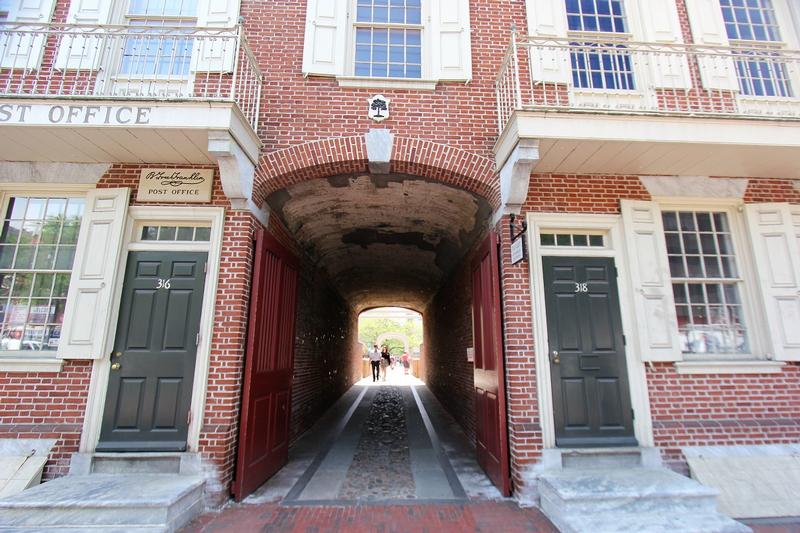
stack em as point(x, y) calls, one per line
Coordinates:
point(379, 149)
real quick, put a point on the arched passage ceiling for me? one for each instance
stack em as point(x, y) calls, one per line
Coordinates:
point(384, 239)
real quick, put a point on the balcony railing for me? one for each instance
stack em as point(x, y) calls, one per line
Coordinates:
point(625, 77)
point(130, 62)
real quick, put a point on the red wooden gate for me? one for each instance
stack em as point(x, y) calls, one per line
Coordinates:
point(490, 396)
point(266, 393)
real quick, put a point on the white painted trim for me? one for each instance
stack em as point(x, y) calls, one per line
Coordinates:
point(729, 367)
point(30, 364)
point(637, 377)
point(100, 371)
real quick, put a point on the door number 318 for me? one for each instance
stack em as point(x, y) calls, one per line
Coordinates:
point(581, 287)
point(165, 283)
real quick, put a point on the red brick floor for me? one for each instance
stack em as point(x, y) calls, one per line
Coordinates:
point(487, 517)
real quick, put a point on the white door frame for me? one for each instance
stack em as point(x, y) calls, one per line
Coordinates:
point(101, 367)
point(611, 226)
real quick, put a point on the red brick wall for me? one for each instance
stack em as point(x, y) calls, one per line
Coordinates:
point(46, 405)
point(447, 323)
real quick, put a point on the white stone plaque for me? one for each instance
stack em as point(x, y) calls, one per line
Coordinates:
point(517, 251)
point(175, 185)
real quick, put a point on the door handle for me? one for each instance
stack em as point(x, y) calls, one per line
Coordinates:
point(115, 366)
point(554, 357)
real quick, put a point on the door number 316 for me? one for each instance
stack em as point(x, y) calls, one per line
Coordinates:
point(581, 287)
point(165, 283)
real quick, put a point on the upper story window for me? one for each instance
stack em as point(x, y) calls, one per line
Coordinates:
point(759, 73)
point(37, 249)
point(706, 282)
point(388, 39)
point(594, 65)
point(595, 15)
point(152, 52)
point(388, 43)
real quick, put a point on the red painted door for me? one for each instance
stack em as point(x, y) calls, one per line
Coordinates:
point(266, 393)
point(490, 396)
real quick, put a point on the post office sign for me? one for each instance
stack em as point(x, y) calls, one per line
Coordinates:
point(175, 185)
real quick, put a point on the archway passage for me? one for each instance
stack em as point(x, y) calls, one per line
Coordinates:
point(374, 240)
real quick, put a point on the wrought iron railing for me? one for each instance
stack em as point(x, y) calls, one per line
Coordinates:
point(135, 61)
point(621, 76)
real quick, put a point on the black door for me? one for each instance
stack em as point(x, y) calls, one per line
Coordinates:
point(150, 386)
point(591, 400)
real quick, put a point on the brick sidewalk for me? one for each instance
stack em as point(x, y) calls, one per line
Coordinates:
point(488, 517)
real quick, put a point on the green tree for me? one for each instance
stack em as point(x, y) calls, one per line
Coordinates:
point(369, 329)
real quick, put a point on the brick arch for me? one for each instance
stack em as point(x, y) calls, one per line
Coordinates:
point(345, 155)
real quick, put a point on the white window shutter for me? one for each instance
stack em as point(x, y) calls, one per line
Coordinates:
point(548, 18)
point(668, 69)
point(84, 53)
point(25, 51)
point(774, 231)
point(215, 53)
point(91, 288)
point(451, 49)
point(326, 34)
point(654, 305)
point(708, 29)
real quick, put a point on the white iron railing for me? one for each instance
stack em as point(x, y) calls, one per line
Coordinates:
point(626, 77)
point(130, 62)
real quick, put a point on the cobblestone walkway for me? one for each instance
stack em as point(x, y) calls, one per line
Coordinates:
point(381, 467)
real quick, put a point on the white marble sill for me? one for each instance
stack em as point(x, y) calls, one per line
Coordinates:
point(386, 83)
point(15, 363)
point(729, 367)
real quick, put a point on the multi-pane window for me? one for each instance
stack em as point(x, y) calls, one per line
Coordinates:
point(759, 73)
point(156, 52)
point(176, 233)
point(705, 282)
point(572, 240)
point(596, 65)
point(388, 38)
point(37, 249)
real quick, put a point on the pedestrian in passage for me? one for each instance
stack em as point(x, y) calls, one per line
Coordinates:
point(386, 360)
point(406, 362)
point(375, 362)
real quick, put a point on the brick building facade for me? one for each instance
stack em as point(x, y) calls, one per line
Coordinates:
point(576, 122)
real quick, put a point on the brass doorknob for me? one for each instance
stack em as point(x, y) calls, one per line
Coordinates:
point(115, 366)
point(554, 357)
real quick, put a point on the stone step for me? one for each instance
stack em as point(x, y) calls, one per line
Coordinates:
point(146, 502)
point(631, 499)
point(654, 522)
point(135, 463)
point(600, 490)
point(604, 458)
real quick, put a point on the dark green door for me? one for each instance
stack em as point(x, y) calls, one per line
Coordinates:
point(591, 400)
point(150, 386)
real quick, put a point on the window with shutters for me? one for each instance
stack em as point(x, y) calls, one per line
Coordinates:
point(707, 282)
point(37, 249)
point(749, 22)
point(594, 65)
point(388, 43)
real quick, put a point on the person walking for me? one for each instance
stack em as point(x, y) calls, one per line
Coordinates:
point(386, 360)
point(406, 360)
point(375, 362)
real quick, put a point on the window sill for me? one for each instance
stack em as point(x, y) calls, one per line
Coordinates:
point(729, 367)
point(30, 364)
point(385, 83)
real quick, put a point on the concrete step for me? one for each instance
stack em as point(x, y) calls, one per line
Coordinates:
point(604, 458)
point(133, 502)
point(597, 499)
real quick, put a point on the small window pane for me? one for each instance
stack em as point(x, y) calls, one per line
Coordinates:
point(185, 233)
point(580, 240)
point(596, 240)
point(563, 240)
point(202, 234)
point(167, 233)
point(547, 239)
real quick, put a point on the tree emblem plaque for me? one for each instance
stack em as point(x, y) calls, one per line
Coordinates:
point(378, 108)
